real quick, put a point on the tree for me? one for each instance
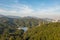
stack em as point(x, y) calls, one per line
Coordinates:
point(11, 38)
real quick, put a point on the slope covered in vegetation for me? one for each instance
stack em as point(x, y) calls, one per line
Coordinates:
point(49, 31)
point(38, 29)
point(21, 21)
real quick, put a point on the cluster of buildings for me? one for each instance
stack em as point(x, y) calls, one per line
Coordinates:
point(56, 20)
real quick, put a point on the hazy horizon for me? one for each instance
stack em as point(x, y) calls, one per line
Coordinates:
point(36, 8)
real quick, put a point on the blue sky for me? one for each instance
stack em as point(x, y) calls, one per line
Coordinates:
point(37, 8)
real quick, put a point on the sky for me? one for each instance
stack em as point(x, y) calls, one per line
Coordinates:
point(35, 8)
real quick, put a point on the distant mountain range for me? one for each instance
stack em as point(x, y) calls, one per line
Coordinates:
point(24, 21)
point(9, 16)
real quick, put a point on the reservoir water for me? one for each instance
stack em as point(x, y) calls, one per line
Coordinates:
point(23, 28)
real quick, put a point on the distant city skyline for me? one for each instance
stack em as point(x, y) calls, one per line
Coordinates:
point(37, 8)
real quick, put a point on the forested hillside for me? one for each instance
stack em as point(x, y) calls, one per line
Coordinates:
point(21, 21)
point(38, 29)
point(50, 31)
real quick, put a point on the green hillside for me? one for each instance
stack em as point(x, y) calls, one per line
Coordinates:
point(38, 29)
point(49, 31)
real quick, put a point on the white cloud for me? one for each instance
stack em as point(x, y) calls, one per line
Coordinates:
point(25, 10)
point(1, 10)
point(20, 10)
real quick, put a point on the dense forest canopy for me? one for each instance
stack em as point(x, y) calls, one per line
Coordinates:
point(49, 31)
